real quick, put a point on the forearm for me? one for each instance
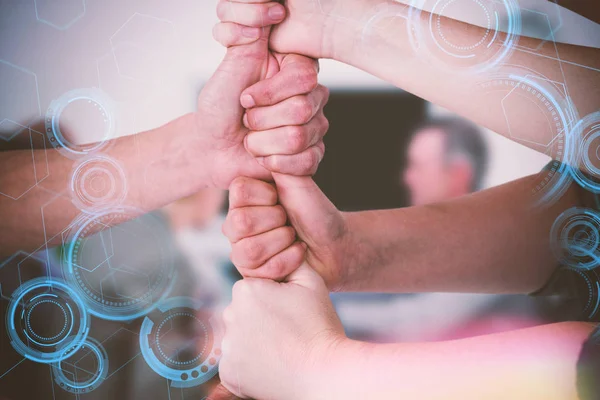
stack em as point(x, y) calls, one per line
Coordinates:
point(159, 167)
point(465, 245)
point(382, 47)
point(536, 363)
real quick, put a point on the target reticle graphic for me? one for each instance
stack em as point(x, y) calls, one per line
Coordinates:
point(124, 271)
point(98, 183)
point(540, 115)
point(586, 289)
point(433, 35)
point(575, 238)
point(84, 369)
point(81, 122)
point(181, 342)
point(45, 316)
point(586, 160)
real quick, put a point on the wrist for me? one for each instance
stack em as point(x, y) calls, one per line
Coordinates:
point(343, 29)
point(359, 252)
point(337, 374)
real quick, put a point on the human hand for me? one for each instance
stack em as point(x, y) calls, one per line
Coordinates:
point(312, 27)
point(263, 246)
point(219, 127)
point(279, 337)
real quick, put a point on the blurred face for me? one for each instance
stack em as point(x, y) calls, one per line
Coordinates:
point(428, 176)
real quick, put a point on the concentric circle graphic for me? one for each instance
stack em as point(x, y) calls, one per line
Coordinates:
point(180, 342)
point(98, 183)
point(539, 115)
point(43, 317)
point(434, 34)
point(587, 155)
point(575, 238)
point(81, 122)
point(586, 290)
point(124, 271)
point(84, 369)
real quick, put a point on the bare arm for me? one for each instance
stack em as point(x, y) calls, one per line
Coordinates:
point(159, 167)
point(494, 241)
point(383, 48)
point(535, 363)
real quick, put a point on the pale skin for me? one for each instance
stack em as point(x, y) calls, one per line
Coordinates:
point(205, 149)
point(466, 245)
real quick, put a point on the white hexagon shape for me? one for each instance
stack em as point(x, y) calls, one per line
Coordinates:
point(59, 14)
point(143, 47)
point(32, 170)
point(19, 99)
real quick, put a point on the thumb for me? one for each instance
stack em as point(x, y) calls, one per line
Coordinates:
point(242, 67)
point(307, 277)
point(310, 212)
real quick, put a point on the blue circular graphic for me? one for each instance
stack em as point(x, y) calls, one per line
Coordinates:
point(93, 122)
point(81, 378)
point(432, 35)
point(575, 238)
point(523, 93)
point(172, 358)
point(590, 301)
point(124, 271)
point(586, 160)
point(98, 183)
point(33, 332)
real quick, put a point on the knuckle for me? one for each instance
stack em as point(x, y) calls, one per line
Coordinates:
point(308, 78)
point(296, 138)
point(253, 251)
point(241, 222)
point(239, 190)
point(303, 110)
point(276, 268)
point(309, 161)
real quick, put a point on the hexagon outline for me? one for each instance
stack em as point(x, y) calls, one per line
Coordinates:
point(506, 117)
point(60, 28)
point(37, 92)
point(113, 46)
point(33, 156)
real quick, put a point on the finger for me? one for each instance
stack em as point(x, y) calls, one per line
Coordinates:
point(298, 75)
point(297, 110)
point(307, 277)
point(221, 393)
point(252, 252)
point(287, 140)
point(230, 34)
point(255, 15)
point(251, 221)
point(246, 192)
point(302, 164)
point(279, 266)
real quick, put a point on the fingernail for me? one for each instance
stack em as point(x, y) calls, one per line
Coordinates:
point(249, 32)
point(276, 13)
point(246, 123)
point(248, 101)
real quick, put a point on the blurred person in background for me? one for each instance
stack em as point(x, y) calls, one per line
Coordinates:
point(447, 158)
